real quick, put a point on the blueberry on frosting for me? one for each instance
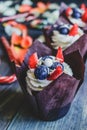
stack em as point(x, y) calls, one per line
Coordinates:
point(76, 13)
point(55, 65)
point(63, 30)
point(41, 72)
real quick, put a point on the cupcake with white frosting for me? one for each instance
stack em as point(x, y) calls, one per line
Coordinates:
point(63, 35)
point(45, 70)
point(50, 81)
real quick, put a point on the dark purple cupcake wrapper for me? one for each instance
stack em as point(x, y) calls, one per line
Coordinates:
point(54, 100)
point(81, 45)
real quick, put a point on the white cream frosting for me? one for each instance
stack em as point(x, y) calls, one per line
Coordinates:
point(38, 85)
point(10, 30)
point(79, 21)
point(64, 40)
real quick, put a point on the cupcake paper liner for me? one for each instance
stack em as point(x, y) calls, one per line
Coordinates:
point(81, 45)
point(54, 100)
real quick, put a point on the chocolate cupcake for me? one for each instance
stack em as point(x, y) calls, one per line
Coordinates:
point(50, 82)
point(63, 35)
point(77, 15)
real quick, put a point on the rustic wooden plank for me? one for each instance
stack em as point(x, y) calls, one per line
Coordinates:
point(76, 118)
point(9, 105)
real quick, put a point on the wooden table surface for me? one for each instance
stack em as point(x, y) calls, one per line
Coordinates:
point(15, 113)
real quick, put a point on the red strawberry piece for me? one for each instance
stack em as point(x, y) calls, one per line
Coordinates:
point(84, 16)
point(74, 30)
point(83, 6)
point(15, 39)
point(33, 60)
point(24, 8)
point(59, 55)
point(26, 42)
point(12, 23)
point(56, 73)
point(68, 11)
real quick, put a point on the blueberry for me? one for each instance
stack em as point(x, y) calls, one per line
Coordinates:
point(76, 13)
point(55, 64)
point(41, 72)
point(64, 30)
point(75, 10)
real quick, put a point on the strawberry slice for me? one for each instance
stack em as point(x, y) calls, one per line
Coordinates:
point(42, 7)
point(24, 8)
point(11, 22)
point(83, 6)
point(84, 17)
point(68, 11)
point(16, 39)
point(26, 42)
point(56, 73)
point(59, 55)
point(33, 60)
point(74, 30)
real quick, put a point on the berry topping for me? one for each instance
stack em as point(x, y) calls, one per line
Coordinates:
point(56, 73)
point(68, 11)
point(55, 65)
point(41, 72)
point(74, 30)
point(59, 55)
point(83, 6)
point(33, 60)
point(26, 42)
point(48, 62)
point(76, 15)
point(84, 17)
point(63, 30)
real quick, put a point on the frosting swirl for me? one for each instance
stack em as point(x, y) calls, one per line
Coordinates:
point(79, 21)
